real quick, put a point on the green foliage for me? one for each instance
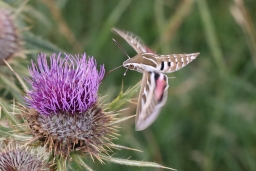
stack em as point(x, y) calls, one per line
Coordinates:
point(209, 120)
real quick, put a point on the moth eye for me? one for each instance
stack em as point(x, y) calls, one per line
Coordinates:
point(131, 67)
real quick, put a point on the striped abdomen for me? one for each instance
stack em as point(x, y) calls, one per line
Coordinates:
point(170, 63)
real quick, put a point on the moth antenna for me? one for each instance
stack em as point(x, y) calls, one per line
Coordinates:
point(121, 48)
point(125, 71)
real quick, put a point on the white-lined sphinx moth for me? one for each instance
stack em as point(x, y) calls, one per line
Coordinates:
point(154, 86)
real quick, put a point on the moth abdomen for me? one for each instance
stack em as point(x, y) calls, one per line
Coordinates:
point(173, 62)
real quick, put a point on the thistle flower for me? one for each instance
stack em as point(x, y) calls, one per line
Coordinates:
point(9, 41)
point(15, 157)
point(63, 109)
point(68, 85)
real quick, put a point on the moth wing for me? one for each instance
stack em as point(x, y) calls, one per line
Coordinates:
point(153, 95)
point(142, 95)
point(135, 41)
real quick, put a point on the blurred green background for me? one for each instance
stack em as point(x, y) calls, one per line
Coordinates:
point(208, 122)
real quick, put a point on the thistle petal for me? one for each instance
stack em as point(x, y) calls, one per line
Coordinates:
point(68, 85)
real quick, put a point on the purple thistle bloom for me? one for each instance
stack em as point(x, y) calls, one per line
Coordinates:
point(68, 85)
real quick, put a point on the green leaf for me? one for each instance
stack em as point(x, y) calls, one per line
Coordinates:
point(134, 162)
point(78, 159)
point(37, 43)
point(123, 97)
point(61, 164)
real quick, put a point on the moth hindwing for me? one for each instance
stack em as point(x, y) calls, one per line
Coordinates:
point(153, 67)
point(153, 95)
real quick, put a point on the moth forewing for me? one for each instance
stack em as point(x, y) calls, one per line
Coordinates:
point(152, 97)
point(142, 95)
point(135, 41)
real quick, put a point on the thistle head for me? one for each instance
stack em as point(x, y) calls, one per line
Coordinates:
point(63, 110)
point(9, 40)
point(15, 157)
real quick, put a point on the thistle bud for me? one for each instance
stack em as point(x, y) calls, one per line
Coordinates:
point(9, 41)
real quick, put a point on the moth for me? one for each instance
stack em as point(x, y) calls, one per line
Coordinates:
point(154, 86)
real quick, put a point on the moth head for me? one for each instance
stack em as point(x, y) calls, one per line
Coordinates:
point(129, 65)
